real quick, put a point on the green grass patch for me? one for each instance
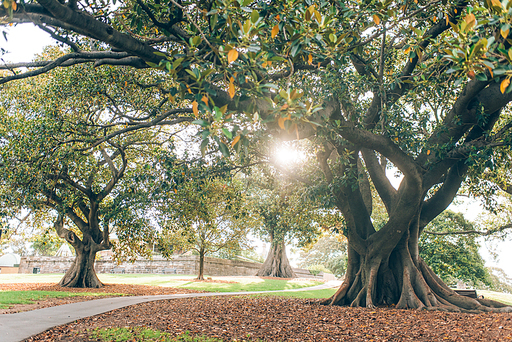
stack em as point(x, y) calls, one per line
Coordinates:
point(313, 294)
point(10, 298)
point(504, 298)
point(249, 284)
point(175, 280)
point(144, 334)
point(185, 281)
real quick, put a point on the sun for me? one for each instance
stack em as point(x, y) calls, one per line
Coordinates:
point(286, 154)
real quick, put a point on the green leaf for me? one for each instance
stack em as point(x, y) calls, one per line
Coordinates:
point(295, 49)
point(194, 76)
point(481, 77)
point(223, 149)
point(203, 146)
point(201, 123)
point(196, 40)
point(255, 16)
point(227, 133)
point(177, 62)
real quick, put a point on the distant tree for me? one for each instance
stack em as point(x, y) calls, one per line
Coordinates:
point(46, 244)
point(329, 251)
point(453, 256)
point(499, 280)
point(288, 215)
point(209, 211)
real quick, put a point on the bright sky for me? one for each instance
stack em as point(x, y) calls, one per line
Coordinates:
point(24, 41)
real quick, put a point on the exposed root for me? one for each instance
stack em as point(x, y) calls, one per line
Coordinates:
point(358, 302)
point(419, 288)
point(456, 302)
point(81, 274)
point(371, 287)
point(276, 264)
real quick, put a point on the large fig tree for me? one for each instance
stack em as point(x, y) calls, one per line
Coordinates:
point(49, 161)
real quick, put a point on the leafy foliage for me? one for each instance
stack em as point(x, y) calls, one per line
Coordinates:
point(208, 211)
point(329, 251)
point(423, 86)
point(453, 257)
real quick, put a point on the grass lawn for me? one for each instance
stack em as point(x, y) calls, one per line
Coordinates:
point(185, 281)
point(145, 334)
point(9, 298)
point(236, 284)
point(497, 296)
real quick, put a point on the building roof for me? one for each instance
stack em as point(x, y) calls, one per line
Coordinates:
point(10, 260)
point(64, 251)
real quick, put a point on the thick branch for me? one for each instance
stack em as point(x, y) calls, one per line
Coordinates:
point(445, 195)
point(378, 175)
point(478, 232)
point(66, 234)
point(87, 25)
point(158, 121)
point(116, 175)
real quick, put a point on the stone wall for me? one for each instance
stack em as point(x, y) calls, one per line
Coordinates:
point(178, 265)
point(8, 270)
point(188, 265)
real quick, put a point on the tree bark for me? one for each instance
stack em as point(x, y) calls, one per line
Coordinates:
point(200, 276)
point(82, 273)
point(277, 263)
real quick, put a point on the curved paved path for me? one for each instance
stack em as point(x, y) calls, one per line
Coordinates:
point(19, 326)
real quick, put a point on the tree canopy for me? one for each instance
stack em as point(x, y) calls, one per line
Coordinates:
point(330, 251)
point(209, 211)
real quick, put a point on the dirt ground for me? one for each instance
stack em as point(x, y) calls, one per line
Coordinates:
point(283, 319)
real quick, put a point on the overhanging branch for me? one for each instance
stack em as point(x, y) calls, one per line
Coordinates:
point(476, 232)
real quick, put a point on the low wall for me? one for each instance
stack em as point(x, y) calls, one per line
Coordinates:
point(179, 265)
point(188, 264)
point(8, 270)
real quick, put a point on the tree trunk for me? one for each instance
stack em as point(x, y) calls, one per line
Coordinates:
point(403, 279)
point(200, 276)
point(276, 264)
point(81, 273)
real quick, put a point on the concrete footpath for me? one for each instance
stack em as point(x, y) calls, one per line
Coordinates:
point(19, 326)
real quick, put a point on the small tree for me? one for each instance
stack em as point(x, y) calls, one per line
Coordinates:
point(207, 213)
point(287, 215)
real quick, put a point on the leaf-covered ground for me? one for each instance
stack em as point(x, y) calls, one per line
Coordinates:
point(289, 319)
point(111, 290)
